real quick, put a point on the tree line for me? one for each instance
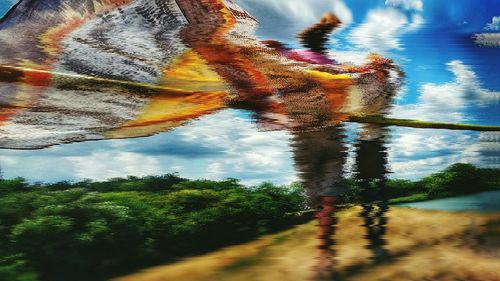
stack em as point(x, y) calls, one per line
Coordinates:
point(95, 230)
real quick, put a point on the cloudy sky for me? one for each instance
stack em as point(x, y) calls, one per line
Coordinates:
point(494, 25)
point(228, 144)
point(448, 78)
point(206, 148)
point(450, 101)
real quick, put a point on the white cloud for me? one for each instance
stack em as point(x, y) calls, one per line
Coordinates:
point(215, 170)
point(340, 9)
point(494, 25)
point(416, 21)
point(416, 5)
point(415, 153)
point(225, 144)
point(307, 12)
point(355, 57)
point(104, 165)
point(487, 39)
point(447, 102)
point(242, 151)
point(249, 154)
point(382, 29)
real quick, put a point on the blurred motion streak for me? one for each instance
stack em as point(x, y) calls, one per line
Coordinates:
point(86, 70)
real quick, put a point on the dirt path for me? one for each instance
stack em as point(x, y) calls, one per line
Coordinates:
point(422, 245)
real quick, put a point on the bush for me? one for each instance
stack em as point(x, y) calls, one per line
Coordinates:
point(92, 231)
point(95, 230)
point(457, 179)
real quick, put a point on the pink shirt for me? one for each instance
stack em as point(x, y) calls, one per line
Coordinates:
point(308, 56)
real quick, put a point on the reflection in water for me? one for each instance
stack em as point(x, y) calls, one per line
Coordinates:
point(480, 202)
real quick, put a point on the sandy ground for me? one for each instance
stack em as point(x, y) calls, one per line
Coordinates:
point(421, 245)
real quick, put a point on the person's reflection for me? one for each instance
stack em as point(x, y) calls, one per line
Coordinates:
point(320, 157)
point(370, 174)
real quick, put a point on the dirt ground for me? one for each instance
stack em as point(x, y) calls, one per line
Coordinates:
point(419, 245)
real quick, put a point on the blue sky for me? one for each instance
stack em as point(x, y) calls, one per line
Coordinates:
point(423, 36)
point(5, 6)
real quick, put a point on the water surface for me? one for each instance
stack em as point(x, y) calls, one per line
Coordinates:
point(481, 202)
